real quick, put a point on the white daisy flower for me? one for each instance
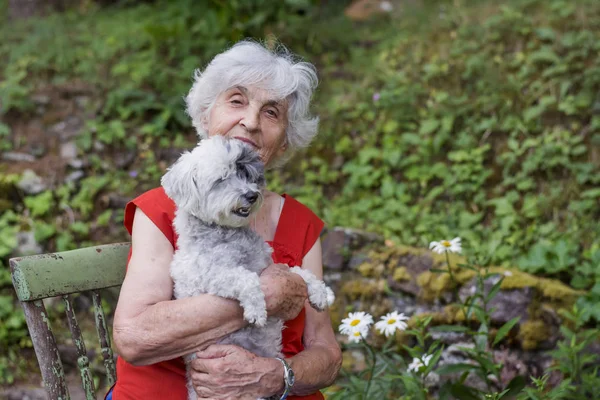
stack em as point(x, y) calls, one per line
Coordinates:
point(443, 246)
point(358, 321)
point(418, 363)
point(390, 322)
point(358, 335)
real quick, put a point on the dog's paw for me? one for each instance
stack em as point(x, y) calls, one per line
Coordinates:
point(256, 317)
point(330, 296)
point(319, 295)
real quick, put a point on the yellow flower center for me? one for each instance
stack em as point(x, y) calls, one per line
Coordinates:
point(355, 322)
point(446, 243)
point(391, 321)
point(356, 334)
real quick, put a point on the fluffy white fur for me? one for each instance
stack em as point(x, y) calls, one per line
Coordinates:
point(217, 187)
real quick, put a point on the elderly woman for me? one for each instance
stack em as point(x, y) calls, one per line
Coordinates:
point(260, 97)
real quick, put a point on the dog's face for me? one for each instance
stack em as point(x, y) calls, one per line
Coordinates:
point(220, 181)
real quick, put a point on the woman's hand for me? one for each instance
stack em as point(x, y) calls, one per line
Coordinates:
point(285, 292)
point(230, 372)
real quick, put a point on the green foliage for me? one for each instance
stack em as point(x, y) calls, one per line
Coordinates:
point(574, 359)
point(387, 376)
point(473, 118)
point(8, 233)
point(40, 204)
point(483, 123)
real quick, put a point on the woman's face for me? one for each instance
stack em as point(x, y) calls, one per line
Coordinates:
point(250, 114)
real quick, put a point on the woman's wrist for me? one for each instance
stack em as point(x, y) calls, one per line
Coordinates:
point(275, 382)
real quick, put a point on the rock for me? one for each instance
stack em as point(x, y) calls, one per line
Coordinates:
point(334, 246)
point(513, 366)
point(31, 183)
point(68, 150)
point(17, 157)
point(340, 243)
point(452, 355)
point(449, 337)
point(77, 163)
point(508, 304)
point(356, 260)
point(68, 128)
point(75, 176)
point(405, 304)
point(358, 239)
point(412, 265)
point(38, 150)
point(27, 245)
point(331, 278)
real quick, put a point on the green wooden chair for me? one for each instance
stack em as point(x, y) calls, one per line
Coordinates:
point(61, 274)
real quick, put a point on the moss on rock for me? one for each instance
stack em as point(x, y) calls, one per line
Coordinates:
point(531, 333)
point(401, 275)
point(433, 285)
point(372, 270)
point(363, 288)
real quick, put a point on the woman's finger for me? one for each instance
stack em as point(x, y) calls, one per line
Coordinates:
point(204, 365)
point(203, 392)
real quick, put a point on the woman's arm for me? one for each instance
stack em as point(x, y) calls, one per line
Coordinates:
point(227, 371)
point(150, 327)
point(318, 365)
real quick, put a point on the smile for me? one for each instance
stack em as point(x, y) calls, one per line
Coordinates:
point(245, 140)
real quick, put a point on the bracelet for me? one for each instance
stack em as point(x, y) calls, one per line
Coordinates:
point(288, 378)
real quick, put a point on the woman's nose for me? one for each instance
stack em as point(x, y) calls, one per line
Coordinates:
point(250, 120)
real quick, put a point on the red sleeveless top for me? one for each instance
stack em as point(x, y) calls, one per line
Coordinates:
point(297, 231)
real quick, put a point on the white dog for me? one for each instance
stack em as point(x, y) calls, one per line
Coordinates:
point(217, 187)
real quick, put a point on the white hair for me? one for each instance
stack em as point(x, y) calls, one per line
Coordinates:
point(278, 71)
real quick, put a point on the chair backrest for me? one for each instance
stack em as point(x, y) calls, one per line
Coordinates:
point(60, 274)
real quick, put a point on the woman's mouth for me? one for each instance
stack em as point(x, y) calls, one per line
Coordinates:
point(245, 140)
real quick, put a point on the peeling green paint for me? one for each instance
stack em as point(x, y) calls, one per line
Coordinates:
point(59, 274)
point(48, 275)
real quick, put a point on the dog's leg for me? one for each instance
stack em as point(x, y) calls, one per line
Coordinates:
point(319, 295)
point(242, 285)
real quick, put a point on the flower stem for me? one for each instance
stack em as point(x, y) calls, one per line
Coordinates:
point(374, 356)
point(449, 269)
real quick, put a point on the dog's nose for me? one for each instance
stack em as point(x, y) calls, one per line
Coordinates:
point(251, 197)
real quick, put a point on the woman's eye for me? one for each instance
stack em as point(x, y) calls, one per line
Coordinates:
point(272, 113)
point(236, 101)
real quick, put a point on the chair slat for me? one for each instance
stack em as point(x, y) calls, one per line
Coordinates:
point(103, 335)
point(57, 274)
point(46, 351)
point(83, 362)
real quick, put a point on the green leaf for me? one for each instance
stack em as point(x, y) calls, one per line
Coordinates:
point(514, 387)
point(494, 290)
point(462, 392)
point(505, 329)
point(450, 328)
point(429, 126)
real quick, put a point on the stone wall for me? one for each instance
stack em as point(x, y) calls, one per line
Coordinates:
point(370, 274)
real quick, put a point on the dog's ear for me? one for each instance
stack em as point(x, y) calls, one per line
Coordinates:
point(180, 182)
